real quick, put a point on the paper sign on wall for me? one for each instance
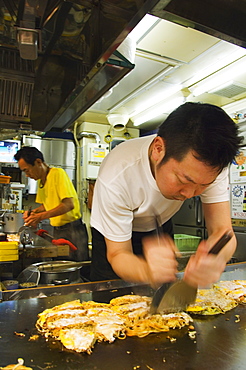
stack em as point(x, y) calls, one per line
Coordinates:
point(238, 201)
point(238, 168)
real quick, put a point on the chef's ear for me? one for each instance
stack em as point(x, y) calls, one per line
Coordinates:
point(38, 161)
point(158, 149)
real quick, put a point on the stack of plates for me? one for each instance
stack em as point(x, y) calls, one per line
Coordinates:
point(9, 251)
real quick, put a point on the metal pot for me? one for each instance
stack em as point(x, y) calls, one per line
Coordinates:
point(3, 237)
point(12, 222)
point(60, 272)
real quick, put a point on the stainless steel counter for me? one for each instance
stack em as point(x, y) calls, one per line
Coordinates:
point(219, 344)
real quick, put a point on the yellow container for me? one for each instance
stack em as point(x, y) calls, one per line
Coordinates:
point(8, 252)
point(9, 245)
point(13, 257)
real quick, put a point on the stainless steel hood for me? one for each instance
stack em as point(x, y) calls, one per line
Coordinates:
point(224, 19)
point(57, 58)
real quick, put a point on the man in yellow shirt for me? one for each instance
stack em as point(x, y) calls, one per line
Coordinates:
point(58, 199)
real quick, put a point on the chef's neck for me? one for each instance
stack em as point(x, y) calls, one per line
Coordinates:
point(45, 171)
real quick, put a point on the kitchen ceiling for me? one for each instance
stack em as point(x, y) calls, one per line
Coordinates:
point(77, 74)
point(171, 64)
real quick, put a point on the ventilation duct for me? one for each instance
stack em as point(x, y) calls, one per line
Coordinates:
point(230, 91)
point(118, 121)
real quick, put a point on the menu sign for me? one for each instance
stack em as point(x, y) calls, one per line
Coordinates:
point(238, 201)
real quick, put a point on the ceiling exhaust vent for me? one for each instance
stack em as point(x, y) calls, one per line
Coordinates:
point(230, 91)
point(16, 86)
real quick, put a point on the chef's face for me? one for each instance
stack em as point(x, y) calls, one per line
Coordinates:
point(182, 180)
point(32, 171)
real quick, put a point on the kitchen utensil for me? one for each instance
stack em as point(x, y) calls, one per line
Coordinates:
point(61, 241)
point(57, 266)
point(24, 226)
point(25, 236)
point(60, 272)
point(11, 284)
point(2, 223)
point(31, 274)
point(3, 237)
point(175, 297)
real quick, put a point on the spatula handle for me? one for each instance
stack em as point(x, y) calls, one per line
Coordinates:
point(221, 242)
point(29, 211)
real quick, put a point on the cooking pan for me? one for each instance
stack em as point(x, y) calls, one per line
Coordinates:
point(60, 272)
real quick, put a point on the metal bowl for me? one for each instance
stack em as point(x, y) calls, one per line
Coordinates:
point(58, 272)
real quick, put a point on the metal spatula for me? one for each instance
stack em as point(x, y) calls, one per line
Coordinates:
point(24, 226)
point(175, 297)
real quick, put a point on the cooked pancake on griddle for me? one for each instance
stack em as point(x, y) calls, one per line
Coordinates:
point(19, 366)
point(211, 302)
point(78, 326)
point(157, 323)
point(235, 289)
point(16, 367)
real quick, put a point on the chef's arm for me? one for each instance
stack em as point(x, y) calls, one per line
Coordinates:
point(36, 210)
point(39, 214)
point(156, 266)
point(204, 268)
point(218, 221)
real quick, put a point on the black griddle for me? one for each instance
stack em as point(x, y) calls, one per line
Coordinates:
point(219, 343)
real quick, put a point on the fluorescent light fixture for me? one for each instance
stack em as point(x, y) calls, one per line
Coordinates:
point(147, 23)
point(225, 55)
point(147, 85)
point(210, 86)
point(157, 110)
point(156, 98)
point(219, 78)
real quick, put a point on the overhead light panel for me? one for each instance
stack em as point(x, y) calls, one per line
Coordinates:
point(155, 111)
point(225, 56)
point(147, 85)
point(147, 23)
point(166, 93)
point(219, 78)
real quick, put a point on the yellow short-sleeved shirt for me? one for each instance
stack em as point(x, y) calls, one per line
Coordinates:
point(57, 187)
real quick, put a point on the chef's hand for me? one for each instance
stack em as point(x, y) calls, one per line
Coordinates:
point(160, 256)
point(33, 219)
point(204, 269)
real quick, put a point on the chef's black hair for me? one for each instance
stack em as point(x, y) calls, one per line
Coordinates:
point(29, 154)
point(204, 129)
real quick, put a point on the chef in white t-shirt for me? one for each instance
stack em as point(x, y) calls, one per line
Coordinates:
point(151, 176)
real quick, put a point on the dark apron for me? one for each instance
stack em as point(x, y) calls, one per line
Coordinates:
point(76, 233)
point(100, 267)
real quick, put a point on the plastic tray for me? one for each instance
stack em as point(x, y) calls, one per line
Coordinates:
point(186, 242)
point(8, 252)
point(9, 245)
point(14, 257)
point(5, 179)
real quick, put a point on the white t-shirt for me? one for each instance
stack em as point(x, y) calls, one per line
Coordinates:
point(126, 196)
